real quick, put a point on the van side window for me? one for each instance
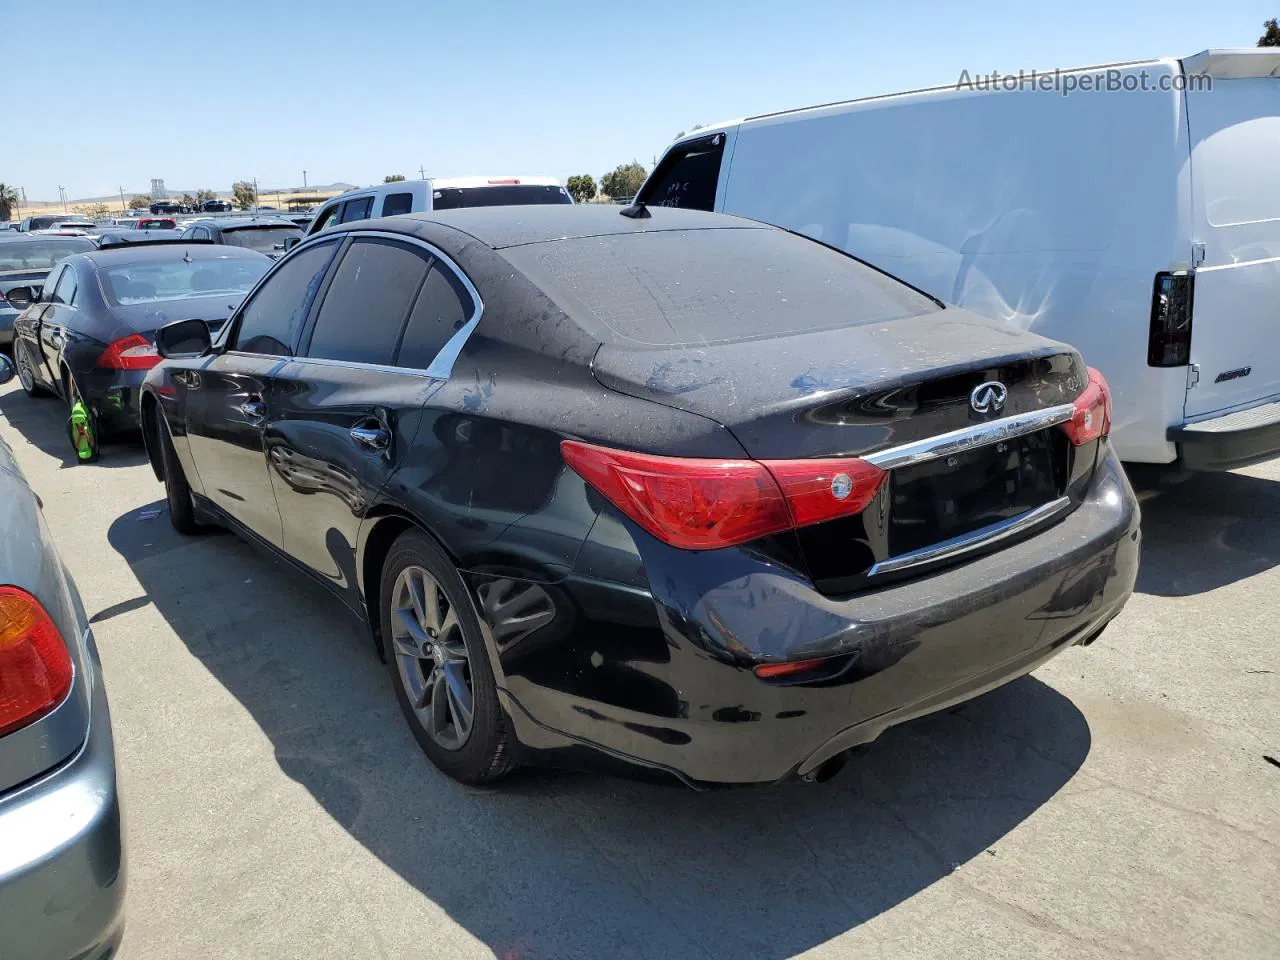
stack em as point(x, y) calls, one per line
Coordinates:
point(395, 204)
point(687, 175)
point(327, 218)
point(357, 209)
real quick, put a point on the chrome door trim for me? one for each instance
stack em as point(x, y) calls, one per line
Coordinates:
point(974, 540)
point(967, 438)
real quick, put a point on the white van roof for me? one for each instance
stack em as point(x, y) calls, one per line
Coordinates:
point(1222, 64)
point(456, 183)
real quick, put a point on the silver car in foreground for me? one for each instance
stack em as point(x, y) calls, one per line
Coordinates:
point(62, 867)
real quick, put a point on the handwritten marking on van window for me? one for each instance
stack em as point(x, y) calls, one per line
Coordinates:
point(1067, 82)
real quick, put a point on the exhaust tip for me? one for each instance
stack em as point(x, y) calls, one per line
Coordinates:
point(826, 770)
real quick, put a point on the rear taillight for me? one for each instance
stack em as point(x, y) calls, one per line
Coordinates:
point(35, 668)
point(699, 504)
point(1169, 342)
point(1092, 416)
point(134, 352)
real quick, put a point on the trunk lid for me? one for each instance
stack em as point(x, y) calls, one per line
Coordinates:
point(851, 391)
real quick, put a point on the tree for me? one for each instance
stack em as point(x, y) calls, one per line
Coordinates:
point(393, 178)
point(140, 201)
point(624, 181)
point(203, 195)
point(1270, 35)
point(8, 201)
point(188, 200)
point(582, 187)
point(243, 195)
point(94, 211)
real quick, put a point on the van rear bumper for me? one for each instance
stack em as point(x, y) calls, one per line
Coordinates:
point(1234, 440)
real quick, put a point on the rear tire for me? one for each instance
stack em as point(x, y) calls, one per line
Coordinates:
point(182, 510)
point(26, 371)
point(439, 665)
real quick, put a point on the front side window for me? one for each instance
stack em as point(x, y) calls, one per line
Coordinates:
point(327, 217)
point(365, 307)
point(65, 291)
point(357, 209)
point(441, 310)
point(687, 176)
point(271, 322)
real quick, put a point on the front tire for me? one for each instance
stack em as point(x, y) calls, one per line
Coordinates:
point(182, 511)
point(26, 371)
point(436, 656)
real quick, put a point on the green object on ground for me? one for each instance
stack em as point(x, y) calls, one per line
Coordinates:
point(82, 431)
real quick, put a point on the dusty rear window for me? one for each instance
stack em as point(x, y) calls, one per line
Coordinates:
point(669, 288)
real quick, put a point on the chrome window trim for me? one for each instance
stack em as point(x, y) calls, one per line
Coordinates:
point(968, 438)
point(974, 540)
point(441, 367)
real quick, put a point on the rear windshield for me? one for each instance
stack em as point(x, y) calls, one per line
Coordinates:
point(509, 196)
point(39, 254)
point(262, 239)
point(670, 288)
point(181, 279)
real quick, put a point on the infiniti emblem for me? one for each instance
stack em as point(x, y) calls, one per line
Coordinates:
point(988, 397)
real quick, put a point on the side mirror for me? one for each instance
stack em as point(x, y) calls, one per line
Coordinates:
point(6, 369)
point(291, 242)
point(183, 338)
point(22, 297)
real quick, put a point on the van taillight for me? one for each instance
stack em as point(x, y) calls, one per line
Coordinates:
point(1170, 339)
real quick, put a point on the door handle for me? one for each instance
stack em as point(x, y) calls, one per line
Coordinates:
point(372, 438)
point(254, 409)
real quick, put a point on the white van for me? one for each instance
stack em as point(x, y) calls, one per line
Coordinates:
point(439, 193)
point(1131, 210)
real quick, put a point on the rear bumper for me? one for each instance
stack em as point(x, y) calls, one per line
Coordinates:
point(686, 701)
point(62, 866)
point(1234, 440)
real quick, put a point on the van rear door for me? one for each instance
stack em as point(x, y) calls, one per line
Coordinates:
point(1235, 187)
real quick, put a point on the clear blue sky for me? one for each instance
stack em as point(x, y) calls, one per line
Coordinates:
point(203, 93)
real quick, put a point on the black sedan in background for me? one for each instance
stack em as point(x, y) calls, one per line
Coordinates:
point(682, 490)
point(25, 261)
point(265, 234)
point(87, 335)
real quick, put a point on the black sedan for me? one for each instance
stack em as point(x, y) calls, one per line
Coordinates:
point(87, 333)
point(681, 491)
point(264, 234)
point(25, 261)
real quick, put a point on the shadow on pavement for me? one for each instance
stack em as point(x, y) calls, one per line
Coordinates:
point(43, 421)
point(575, 865)
point(1207, 532)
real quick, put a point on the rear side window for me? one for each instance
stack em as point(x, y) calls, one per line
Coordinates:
point(442, 309)
point(357, 209)
point(687, 176)
point(365, 308)
point(669, 288)
point(271, 321)
point(395, 204)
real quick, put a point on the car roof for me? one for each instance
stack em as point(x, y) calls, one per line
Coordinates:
point(499, 227)
point(235, 223)
point(148, 252)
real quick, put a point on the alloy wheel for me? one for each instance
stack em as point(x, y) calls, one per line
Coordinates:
point(25, 375)
point(432, 658)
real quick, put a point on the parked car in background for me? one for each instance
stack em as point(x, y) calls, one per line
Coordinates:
point(215, 206)
point(1167, 281)
point(45, 221)
point(108, 238)
point(440, 193)
point(611, 482)
point(25, 261)
point(89, 334)
point(264, 234)
point(155, 223)
point(62, 859)
point(167, 208)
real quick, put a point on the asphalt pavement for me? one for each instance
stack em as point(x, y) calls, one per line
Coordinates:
point(1116, 803)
